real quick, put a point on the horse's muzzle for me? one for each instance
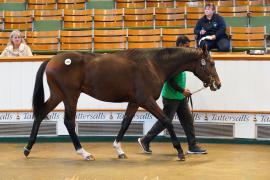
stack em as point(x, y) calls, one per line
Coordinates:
point(215, 86)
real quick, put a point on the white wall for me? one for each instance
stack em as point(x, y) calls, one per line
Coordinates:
point(245, 86)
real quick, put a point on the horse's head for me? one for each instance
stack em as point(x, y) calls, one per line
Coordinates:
point(206, 71)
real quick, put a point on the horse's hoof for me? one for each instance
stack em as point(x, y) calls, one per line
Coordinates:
point(90, 158)
point(26, 152)
point(122, 156)
point(181, 157)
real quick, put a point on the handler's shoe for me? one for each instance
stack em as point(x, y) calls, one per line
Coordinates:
point(145, 146)
point(196, 150)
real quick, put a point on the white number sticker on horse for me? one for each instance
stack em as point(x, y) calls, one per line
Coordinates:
point(68, 61)
point(203, 62)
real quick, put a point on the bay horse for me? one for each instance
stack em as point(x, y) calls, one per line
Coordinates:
point(135, 76)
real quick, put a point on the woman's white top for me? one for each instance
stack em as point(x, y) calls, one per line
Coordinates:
point(23, 50)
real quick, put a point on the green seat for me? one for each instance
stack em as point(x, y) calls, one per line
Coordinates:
point(261, 21)
point(48, 25)
point(241, 49)
point(48, 20)
point(12, 7)
point(100, 4)
point(106, 51)
point(80, 50)
point(236, 21)
point(44, 52)
point(168, 27)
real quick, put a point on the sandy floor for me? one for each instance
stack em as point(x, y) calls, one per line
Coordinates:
point(59, 161)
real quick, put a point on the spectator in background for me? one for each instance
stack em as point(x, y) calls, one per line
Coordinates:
point(211, 29)
point(16, 46)
point(174, 100)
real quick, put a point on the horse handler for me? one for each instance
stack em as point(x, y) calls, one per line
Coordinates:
point(174, 101)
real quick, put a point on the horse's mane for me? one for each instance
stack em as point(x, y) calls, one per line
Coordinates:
point(158, 54)
point(133, 54)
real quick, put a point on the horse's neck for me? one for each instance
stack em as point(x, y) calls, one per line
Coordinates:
point(177, 62)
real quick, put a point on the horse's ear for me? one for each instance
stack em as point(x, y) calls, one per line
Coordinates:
point(204, 48)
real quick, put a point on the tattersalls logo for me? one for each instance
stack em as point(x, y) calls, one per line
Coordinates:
point(138, 116)
point(51, 116)
point(90, 116)
point(141, 116)
point(84, 116)
point(221, 117)
point(197, 117)
point(263, 118)
point(27, 116)
point(6, 116)
point(230, 117)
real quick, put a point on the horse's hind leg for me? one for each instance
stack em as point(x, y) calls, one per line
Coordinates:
point(153, 108)
point(50, 104)
point(69, 121)
point(129, 114)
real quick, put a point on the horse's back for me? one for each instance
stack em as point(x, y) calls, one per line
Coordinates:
point(110, 77)
point(69, 59)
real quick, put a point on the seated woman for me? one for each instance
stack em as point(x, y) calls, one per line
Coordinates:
point(16, 46)
point(211, 30)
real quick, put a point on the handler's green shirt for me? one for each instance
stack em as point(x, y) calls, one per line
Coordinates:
point(170, 93)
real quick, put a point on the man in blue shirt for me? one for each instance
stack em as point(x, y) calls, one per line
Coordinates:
point(211, 29)
point(174, 100)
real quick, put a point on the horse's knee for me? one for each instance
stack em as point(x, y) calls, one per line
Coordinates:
point(166, 123)
point(126, 121)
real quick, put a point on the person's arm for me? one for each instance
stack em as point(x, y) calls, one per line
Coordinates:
point(4, 53)
point(28, 51)
point(175, 86)
point(222, 27)
point(198, 28)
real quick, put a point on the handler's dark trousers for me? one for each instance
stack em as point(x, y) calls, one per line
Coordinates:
point(172, 106)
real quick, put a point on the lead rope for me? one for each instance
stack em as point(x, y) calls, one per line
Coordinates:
point(189, 98)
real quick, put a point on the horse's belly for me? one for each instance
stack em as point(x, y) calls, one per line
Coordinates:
point(110, 95)
point(111, 98)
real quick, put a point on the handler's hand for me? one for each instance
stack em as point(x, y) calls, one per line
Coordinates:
point(213, 37)
point(187, 93)
point(202, 32)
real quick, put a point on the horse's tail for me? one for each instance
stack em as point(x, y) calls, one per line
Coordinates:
point(38, 95)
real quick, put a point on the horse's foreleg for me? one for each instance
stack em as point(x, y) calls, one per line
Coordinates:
point(129, 114)
point(153, 108)
point(50, 104)
point(69, 121)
